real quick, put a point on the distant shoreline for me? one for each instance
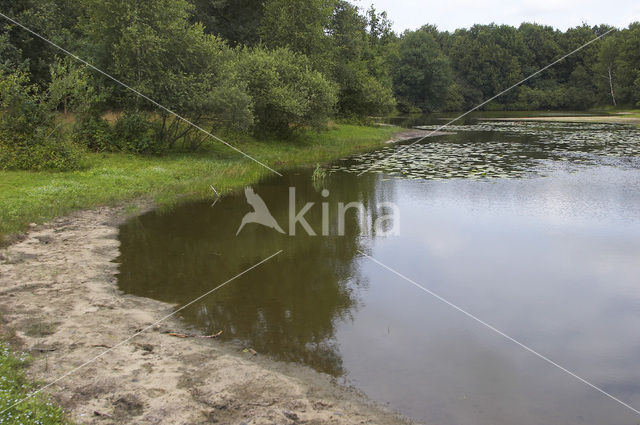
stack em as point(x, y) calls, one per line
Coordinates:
point(604, 119)
point(415, 133)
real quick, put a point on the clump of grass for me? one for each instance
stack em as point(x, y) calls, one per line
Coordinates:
point(14, 386)
point(319, 174)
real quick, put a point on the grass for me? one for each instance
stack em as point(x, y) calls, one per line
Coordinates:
point(14, 386)
point(110, 179)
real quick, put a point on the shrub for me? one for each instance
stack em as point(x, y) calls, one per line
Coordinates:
point(30, 139)
point(362, 95)
point(94, 133)
point(132, 133)
point(286, 91)
point(51, 154)
point(195, 82)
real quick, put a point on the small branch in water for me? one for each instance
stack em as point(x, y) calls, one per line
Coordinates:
point(178, 335)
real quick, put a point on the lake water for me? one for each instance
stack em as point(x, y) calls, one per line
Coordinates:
point(532, 227)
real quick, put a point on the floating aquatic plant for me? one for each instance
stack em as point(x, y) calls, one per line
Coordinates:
point(502, 149)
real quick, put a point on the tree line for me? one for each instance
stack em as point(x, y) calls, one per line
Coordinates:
point(269, 68)
point(477, 63)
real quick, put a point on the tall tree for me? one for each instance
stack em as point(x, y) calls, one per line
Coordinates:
point(237, 21)
point(541, 49)
point(486, 60)
point(361, 92)
point(300, 25)
point(608, 59)
point(153, 47)
point(422, 73)
point(54, 20)
point(629, 65)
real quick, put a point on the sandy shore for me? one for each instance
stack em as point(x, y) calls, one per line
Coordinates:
point(59, 301)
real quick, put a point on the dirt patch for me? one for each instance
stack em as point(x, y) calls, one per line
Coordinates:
point(59, 301)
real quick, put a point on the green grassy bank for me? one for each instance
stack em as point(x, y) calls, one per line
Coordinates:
point(14, 387)
point(108, 179)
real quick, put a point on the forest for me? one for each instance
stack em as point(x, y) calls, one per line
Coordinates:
point(269, 69)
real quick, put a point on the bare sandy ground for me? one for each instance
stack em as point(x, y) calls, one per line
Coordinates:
point(614, 119)
point(59, 301)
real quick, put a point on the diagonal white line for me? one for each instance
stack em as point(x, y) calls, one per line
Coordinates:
point(499, 332)
point(138, 333)
point(382, 161)
point(180, 117)
point(217, 195)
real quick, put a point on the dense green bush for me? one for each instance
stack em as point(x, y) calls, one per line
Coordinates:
point(155, 49)
point(554, 97)
point(361, 95)
point(30, 138)
point(51, 153)
point(286, 92)
point(94, 133)
point(132, 133)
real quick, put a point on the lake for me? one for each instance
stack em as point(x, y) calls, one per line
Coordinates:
point(533, 227)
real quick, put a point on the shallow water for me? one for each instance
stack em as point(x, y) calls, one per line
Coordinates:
point(533, 228)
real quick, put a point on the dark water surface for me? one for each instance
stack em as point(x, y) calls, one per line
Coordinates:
point(533, 227)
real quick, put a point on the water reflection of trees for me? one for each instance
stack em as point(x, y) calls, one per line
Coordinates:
point(289, 306)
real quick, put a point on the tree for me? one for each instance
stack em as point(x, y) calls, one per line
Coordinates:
point(299, 25)
point(55, 20)
point(287, 93)
point(581, 92)
point(486, 59)
point(10, 56)
point(71, 87)
point(360, 94)
point(421, 75)
point(608, 63)
point(154, 48)
point(382, 46)
point(236, 21)
point(629, 65)
point(541, 49)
